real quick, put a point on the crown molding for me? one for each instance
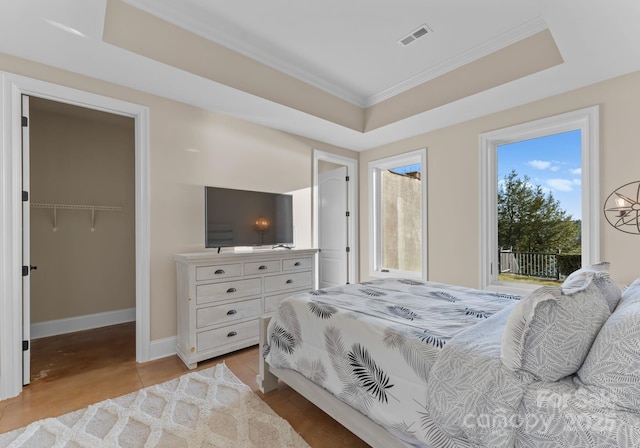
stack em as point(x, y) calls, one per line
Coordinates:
point(501, 41)
point(279, 60)
point(267, 56)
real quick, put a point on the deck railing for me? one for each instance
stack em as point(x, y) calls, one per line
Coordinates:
point(530, 264)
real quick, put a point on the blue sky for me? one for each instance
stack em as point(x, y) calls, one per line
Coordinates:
point(415, 168)
point(553, 162)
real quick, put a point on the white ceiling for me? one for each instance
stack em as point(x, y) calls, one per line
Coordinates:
point(348, 48)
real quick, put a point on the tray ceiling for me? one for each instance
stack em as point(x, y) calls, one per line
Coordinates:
point(334, 71)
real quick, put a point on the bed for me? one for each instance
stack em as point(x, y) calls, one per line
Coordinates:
point(406, 363)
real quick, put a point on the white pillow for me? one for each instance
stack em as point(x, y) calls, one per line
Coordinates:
point(549, 333)
point(599, 274)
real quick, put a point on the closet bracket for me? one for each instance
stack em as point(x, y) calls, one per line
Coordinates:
point(92, 208)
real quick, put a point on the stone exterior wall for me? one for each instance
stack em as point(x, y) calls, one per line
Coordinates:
point(401, 221)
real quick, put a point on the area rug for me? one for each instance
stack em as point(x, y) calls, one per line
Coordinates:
point(208, 408)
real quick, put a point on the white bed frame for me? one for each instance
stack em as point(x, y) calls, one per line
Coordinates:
point(356, 422)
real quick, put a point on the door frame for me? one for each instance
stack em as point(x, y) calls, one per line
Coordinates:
point(26, 242)
point(352, 205)
point(12, 87)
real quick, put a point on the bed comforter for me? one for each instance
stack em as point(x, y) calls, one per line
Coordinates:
point(374, 344)
point(474, 397)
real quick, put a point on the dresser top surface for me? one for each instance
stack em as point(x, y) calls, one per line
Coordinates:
point(242, 254)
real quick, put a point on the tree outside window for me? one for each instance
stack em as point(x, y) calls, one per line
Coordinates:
point(539, 212)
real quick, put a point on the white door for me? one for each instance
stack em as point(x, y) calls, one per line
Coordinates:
point(26, 259)
point(332, 227)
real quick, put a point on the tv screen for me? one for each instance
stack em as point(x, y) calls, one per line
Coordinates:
point(247, 218)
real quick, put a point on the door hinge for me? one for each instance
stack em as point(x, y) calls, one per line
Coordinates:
point(347, 178)
point(25, 122)
point(25, 196)
point(348, 214)
point(348, 249)
point(25, 346)
point(25, 271)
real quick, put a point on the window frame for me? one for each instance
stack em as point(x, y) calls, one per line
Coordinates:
point(375, 236)
point(587, 121)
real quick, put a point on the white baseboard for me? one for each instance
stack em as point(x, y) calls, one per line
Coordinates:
point(161, 348)
point(79, 323)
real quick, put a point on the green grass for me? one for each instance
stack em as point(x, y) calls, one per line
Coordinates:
point(529, 280)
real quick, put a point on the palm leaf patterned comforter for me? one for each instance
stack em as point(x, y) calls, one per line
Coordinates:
point(373, 345)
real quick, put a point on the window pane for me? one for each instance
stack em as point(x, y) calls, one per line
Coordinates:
point(539, 208)
point(401, 218)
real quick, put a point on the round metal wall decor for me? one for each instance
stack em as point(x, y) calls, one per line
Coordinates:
point(622, 208)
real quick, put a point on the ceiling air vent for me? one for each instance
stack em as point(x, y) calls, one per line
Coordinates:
point(414, 35)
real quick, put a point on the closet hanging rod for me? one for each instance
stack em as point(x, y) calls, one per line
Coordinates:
point(93, 209)
point(77, 207)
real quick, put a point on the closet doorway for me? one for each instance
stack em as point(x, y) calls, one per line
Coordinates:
point(81, 221)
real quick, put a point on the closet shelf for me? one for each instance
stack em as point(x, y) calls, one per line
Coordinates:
point(92, 208)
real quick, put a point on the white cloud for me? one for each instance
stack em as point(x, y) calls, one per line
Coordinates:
point(561, 184)
point(576, 171)
point(539, 164)
point(550, 165)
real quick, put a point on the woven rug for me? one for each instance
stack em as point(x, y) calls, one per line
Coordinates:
point(208, 408)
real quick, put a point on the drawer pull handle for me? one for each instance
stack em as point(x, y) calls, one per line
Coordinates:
point(289, 281)
point(232, 334)
point(297, 263)
point(230, 290)
point(219, 271)
point(231, 312)
point(262, 268)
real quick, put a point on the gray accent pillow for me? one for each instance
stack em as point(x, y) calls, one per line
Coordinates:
point(611, 371)
point(599, 274)
point(631, 293)
point(549, 333)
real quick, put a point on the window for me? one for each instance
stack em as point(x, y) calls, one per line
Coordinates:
point(539, 208)
point(496, 171)
point(397, 215)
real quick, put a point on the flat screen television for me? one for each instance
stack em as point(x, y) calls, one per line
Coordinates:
point(247, 218)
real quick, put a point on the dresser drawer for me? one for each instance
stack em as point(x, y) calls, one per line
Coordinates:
point(221, 314)
point(227, 335)
point(286, 282)
point(218, 271)
point(261, 267)
point(295, 264)
point(271, 302)
point(221, 296)
point(213, 292)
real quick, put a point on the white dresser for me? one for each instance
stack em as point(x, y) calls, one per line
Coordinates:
point(221, 296)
